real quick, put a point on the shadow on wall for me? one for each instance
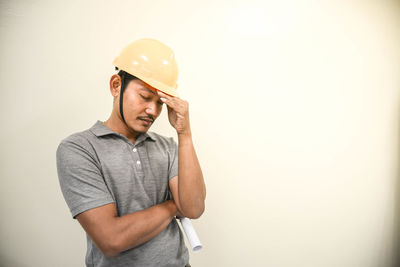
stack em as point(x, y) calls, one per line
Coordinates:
point(9, 261)
point(396, 238)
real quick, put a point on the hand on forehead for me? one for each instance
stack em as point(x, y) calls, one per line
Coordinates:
point(154, 90)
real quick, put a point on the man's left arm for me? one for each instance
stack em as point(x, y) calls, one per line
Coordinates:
point(188, 188)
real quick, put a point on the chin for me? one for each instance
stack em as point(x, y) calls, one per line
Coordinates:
point(143, 129)
point(139, 128)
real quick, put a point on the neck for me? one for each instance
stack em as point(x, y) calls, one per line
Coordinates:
point(116, 124)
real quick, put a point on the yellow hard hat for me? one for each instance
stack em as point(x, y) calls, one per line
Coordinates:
point(152, 62)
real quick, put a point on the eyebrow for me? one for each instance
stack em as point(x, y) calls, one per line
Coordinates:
point(148, 89)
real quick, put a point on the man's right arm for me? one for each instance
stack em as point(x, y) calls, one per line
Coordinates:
point(91, 202)
point(113, 234)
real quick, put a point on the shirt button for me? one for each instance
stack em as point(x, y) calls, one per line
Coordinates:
point(138, 162)
point(134, 150)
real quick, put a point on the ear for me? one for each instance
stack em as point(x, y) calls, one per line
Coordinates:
point(115, 85)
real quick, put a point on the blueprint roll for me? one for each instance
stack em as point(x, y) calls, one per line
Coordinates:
point(191, 234)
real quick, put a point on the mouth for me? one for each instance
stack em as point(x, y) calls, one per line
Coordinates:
point(146, 122)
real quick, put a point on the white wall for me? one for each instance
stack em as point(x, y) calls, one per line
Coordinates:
point(294, 107)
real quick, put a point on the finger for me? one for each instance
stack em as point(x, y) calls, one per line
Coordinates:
point(170, 109)
point(165, 98)
point(169, 102)
point(171, 99)
point(164, 95)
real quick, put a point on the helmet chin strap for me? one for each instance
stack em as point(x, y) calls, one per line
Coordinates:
point(121, 97)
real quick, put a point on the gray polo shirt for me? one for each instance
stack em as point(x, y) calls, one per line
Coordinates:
point(98, 166)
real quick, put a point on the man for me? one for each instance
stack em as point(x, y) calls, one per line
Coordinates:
point(125, 185)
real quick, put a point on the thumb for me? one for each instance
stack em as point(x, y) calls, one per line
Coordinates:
point(170, 110)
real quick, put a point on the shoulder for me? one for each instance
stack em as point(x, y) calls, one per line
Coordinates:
point(77, 142)
point(167, 143)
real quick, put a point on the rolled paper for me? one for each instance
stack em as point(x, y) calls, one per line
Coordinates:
point(191, 234)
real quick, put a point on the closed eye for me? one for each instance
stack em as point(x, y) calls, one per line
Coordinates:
point(148, 98)
point(145, 97)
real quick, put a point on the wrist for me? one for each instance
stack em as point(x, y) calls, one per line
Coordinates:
point(185, 137)
point(187, 132)
point(172, 207)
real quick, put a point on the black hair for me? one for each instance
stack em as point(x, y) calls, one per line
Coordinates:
point(126, 76)
point(125, 79)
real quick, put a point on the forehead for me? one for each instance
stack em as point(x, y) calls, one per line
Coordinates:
point(142, 86)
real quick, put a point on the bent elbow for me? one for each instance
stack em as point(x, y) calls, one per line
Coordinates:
point(194, 213)
point(110, 249)
point(110, 253)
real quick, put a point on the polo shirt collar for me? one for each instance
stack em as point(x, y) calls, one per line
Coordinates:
point(99, 129)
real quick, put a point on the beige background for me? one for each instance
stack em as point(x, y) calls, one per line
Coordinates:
point(294, 108)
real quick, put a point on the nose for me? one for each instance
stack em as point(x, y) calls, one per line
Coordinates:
point(152, 109)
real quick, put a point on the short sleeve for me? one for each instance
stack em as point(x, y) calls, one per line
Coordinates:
point(173, 164)
point(81, 180)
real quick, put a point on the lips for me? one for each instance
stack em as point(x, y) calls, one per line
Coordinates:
point(146, 122)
